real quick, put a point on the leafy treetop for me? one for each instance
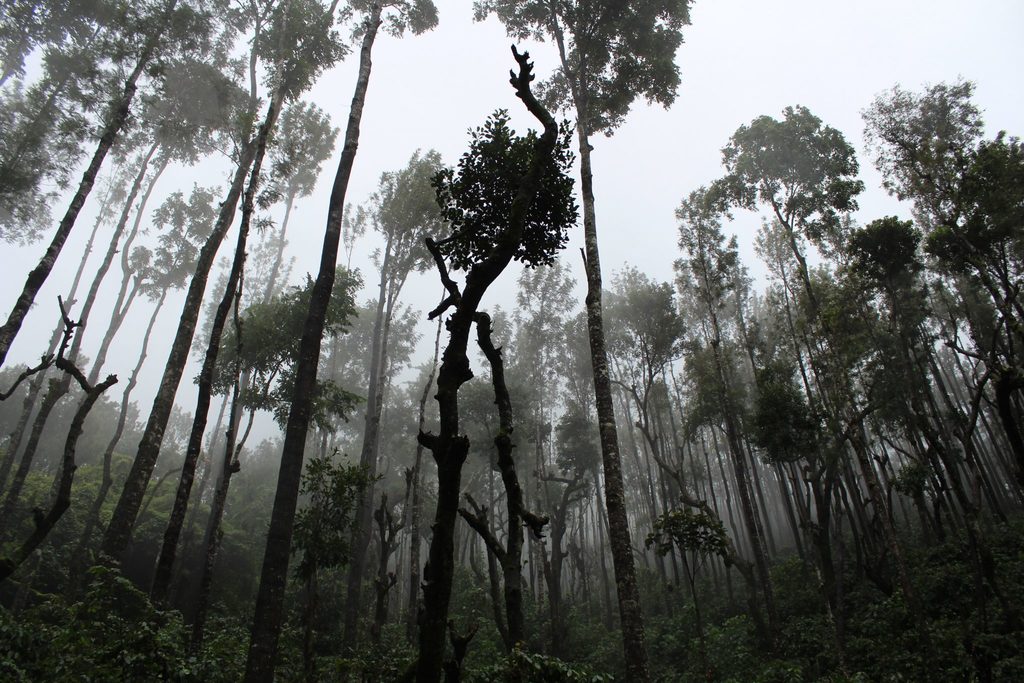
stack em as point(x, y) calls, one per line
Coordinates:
point(615, 51)
point(803, 170)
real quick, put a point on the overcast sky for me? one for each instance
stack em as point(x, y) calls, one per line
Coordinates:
point(741, 59)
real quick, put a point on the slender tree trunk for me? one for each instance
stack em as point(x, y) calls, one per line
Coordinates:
point(92, 520)
point(269, 613)
point(691, 575)
point(884, 516)
point(36, 385)
point(743, 484)
point(115, 122)
point(308, 623)
point(229, 465)
point(188, 552)
point(59, 388)
point(615, 498)
point(367, 458)
point(385, 581)
point(1006, 384)
point(168, 551)
point(118, 533)
point(123, 302)
point(622, 551)
point(414, 518)
point(275, 270)
point(511, 555)
point(606, 583)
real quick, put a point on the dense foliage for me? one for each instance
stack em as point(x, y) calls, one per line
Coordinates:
point(476, 198)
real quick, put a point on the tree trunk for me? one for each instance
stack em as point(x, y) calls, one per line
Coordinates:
point(36, 385)
point(269, 613)
point(449, 448)
point(121, 307)
point(368, 459)
point(414, 518)
point(511, 555)
point(168, 551)
point(387, 530)
point(1005, 386)
point(62, 498)
point(118, 533)
point(615, 497)
point(212, 536)
point(308, 623)
point(59, 388)
point(92, 520)
point(115, 122)
point(275, 270)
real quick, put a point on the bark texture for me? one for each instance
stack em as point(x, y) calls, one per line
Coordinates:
point(269, 615)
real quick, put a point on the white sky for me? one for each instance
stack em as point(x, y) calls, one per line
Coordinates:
point(740, 60)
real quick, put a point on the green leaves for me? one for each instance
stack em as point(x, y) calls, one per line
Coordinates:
point(784, 425)
point(535, 668)
point(804, 171)
point(615, 52)
point(271, 335)
point(323, 526)
point(183, 225)
point(404, 211)
point(922, 144)
point(302, 142)
point(476, 198)
point(300, 45)
point(688, 531)
point(646, 329)
point(885, 251)
point(991, 196)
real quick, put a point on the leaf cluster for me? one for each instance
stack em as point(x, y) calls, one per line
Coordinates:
point(784, 425)
point(323, 527)
point(299, 45)
point(615, 52)
point(688, 531)
point(183, 226)
point(271, 335)
point(476, 198)
point(802, 169)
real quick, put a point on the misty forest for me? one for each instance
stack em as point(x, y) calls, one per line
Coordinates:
point(310, 369)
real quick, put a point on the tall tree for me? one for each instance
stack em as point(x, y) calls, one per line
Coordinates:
point(706, 274)
point(804, 173)
point(27, 25)
point(269, 350)
point(322, 533)
point(509, 199)
point(510, 555)
point(46, 123)
point(303, 142)
point(268, 619)
point(251, 139)
point(967, 198)
point(403, 211)
point(304, 45)
point(610, 53)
